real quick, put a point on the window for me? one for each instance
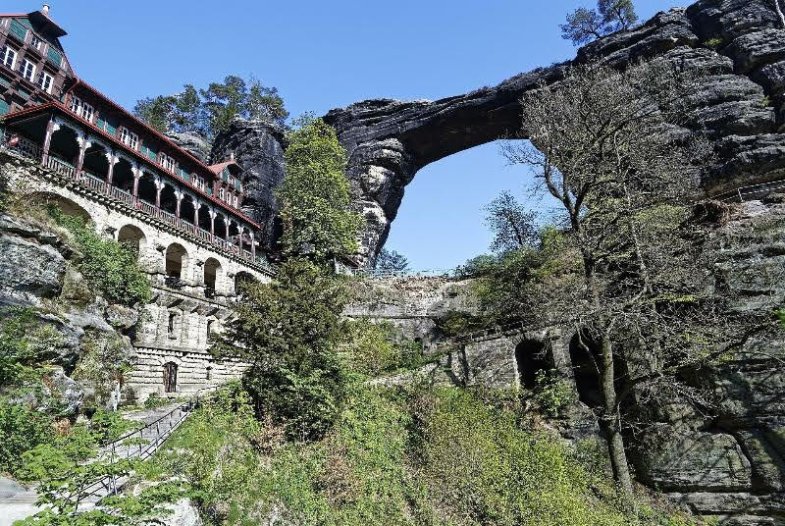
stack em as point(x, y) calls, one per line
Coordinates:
point(167, 162)
point(37, 43)
point(27, 69)
point(129, 138)
point(200, 183)
point(222, 194)
point(45, 81)
point(82, 109)
point(8, 57)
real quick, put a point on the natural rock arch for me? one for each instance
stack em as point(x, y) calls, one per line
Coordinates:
point(388, 141)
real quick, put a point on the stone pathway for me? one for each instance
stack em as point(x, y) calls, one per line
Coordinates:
point(18, 502)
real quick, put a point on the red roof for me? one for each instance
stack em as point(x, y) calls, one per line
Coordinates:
point(218, 168)
point(60, 106)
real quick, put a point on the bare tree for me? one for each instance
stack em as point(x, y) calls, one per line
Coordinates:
point(602, 146)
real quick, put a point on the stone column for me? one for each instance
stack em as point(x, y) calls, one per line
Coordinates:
point(240, 232)
point(178, 194)
point(213, 215)
point(137, 177)
point(84, 144)
point(226, 228)
point(159, 187)
point(51, 128)
point(197, 206)
point(253, 245)
point(113, 160)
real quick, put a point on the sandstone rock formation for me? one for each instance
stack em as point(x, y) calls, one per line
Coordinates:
point(258, 147)
point(739, 44)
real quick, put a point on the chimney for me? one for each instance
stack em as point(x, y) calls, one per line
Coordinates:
point(45, 9)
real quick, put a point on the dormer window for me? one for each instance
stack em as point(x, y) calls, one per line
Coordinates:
point(37, 43)
point(167, 162)
point(27, 69)
point(8, 57)
point(129, 139)
point(82, 109)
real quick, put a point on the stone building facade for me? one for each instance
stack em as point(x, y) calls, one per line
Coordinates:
point(194, 281)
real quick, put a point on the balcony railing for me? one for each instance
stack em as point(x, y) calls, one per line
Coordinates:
point(92, 182)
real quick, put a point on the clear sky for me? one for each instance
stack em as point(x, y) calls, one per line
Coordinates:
point(326, 54)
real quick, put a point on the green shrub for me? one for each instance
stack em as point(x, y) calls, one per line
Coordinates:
point(26, 345)
point(413, 456)
point(110, 266)
point(377, 348)
point(21, 429)
point(553, 393)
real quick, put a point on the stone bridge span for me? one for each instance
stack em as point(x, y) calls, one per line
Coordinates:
point(738, 44)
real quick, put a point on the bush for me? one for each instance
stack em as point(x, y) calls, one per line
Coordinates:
point(377, 348)
point(111, 267)
point(25, 346)
point(21, 429)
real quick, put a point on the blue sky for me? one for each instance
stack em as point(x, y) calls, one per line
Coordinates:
point(326, 54)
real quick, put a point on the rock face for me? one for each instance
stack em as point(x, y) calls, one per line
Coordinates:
point(739, 44)
point(258, 147)
point(193, 143)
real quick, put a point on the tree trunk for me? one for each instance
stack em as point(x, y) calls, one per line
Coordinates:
point(621, 470)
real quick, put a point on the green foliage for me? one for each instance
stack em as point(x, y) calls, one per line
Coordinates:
point(315, 201)
point(108, 426)
point(104, 362)
point(417, 456)
point(65, 478)
point(553, 393)
point(377, 348)
point(21, 429)
point(25, 345)
point(288, 331)
point(584, 25)
point(210, 111)
point(154, 401)
point(110, 266)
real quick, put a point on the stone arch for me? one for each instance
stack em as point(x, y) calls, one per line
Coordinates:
point(132, 237)
point(65, 205)
point(584, 357)
point(96, 161)
point(531, 358)
point(176, 261)
point(212, 272)
point(65, 144)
